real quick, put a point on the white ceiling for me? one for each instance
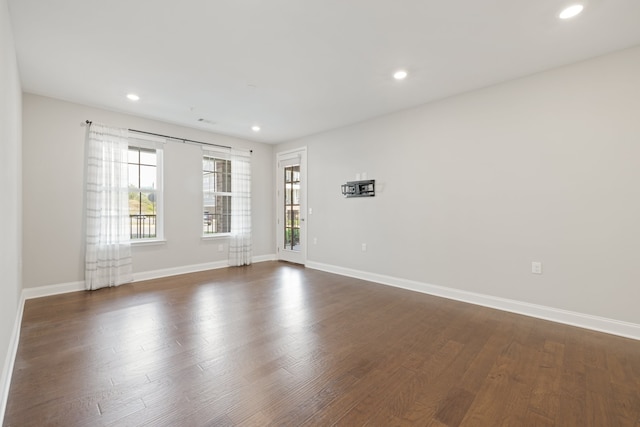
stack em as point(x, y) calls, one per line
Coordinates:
point(297, 67)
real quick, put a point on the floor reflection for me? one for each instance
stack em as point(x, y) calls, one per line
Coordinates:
point(293, 308)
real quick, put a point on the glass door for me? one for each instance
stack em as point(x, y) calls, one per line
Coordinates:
point(291, 199)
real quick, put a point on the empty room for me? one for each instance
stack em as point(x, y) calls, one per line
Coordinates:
point(317, 213)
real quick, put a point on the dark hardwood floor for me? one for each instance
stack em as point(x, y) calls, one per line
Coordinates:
point(275, 343)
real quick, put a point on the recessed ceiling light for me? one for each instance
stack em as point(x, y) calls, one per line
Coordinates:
point(400, 75)
point(133, 97)
point(255, 128)
point(571, 11)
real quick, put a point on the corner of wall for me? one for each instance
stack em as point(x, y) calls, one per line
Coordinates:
point(11, 195)
point(7, 370)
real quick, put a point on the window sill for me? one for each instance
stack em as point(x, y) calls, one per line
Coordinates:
point(215, 236)
point(154, 242)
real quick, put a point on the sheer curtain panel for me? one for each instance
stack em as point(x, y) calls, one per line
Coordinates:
point(240, 240)
point(108, 248)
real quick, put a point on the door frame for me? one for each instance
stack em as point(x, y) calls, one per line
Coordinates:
point(282, 254)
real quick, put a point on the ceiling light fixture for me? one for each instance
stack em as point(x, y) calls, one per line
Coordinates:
point(571, 11)
point(400, 75)
point(255, 128)
point(133, 97)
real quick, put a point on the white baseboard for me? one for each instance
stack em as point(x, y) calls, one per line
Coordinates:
point(587, 321)
point(10, 358)
point(194, 268)
point(45, 291)
point(174, 271)
point(264, 258)
point(63, 288)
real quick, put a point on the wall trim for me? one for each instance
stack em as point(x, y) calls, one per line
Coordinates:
point(10, 359)
point(63, 288)
point(174, 271)
point(265, 258)
point(48, 290)
point(194, 268)
point(581, 320)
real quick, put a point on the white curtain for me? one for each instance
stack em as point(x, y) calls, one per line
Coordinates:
point(240, 241)
point(108, 248)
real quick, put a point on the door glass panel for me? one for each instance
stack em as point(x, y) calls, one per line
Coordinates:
point(292, 208)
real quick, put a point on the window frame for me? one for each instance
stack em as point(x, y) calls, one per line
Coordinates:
point(145, 143)
point(217, 155)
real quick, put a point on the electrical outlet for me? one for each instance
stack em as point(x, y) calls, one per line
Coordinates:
point(536, 267)
point(315, 240)
point(364, 247)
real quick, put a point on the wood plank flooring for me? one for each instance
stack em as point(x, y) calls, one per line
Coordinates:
point(278, 344)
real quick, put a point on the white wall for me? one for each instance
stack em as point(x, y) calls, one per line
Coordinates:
point(10, 189)
point(474, 188)
point(53, 144)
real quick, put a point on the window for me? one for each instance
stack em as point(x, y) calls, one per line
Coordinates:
point(145, 192)
point(216, 194)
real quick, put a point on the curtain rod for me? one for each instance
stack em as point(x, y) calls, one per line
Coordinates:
point(184, 140)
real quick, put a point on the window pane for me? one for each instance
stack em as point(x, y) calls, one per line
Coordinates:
point(292, 216)
point(227, 181)
point(143, 226)
point(147, 177)
point(143, 196)
point(207, 164)
point(133, 176)
point(208, 199)
point(296, 194)
point(148, 157)
point(216, 180)
point(223, 211)
point(207, 182)
point(133, 155)
point(295, 217)
point(134, 202)
point(148, 205)
point(207, 221)
point(287, 238)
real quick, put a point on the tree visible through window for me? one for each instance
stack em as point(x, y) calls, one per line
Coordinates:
point(216, 195)
point(143, 193)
